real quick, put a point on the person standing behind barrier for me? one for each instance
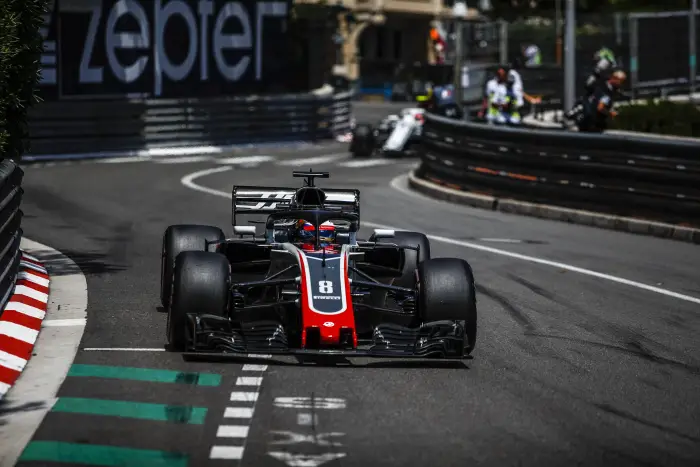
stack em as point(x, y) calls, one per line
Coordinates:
point(496, 99)
point(514, 100)
point(517, 84)
point(604, 64)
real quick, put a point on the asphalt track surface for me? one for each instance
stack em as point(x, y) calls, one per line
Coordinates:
point(569, 369)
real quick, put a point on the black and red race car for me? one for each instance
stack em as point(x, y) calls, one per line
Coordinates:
point(274, 294)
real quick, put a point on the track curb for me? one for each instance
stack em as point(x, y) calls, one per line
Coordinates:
point(21, 320)
point(545, 211)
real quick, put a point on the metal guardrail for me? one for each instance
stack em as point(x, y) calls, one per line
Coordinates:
point(10, 227)
point(90, 126)
point(620, 175)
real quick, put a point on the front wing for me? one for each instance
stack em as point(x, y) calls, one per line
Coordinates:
point(214, 336)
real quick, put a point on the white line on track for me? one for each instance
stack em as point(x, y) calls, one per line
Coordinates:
point(245, 160)
point(182, 160)
point(231, 439)
point(313, 160)
point(64, 322)
point(367, 163)
point(188, 181)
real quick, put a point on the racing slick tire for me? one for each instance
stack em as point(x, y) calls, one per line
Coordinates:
point(363, 141)
point(412, 258)
point(179, 238)
point(200, 284)
point(446, 292)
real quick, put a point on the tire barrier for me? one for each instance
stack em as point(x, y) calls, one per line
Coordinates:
point(619, 175)
point(109, 125)
point(10, 227)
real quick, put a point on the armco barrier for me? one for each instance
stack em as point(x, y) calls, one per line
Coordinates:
point(619, 175)
point(94, 126)
point(10, 231)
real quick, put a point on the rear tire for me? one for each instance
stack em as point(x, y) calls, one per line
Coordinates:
point(446, 292)
point(412, 258)
point(200, 284)
point(179, 238)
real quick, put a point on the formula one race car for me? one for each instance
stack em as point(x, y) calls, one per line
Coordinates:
point(394, 135)
point(308, 286)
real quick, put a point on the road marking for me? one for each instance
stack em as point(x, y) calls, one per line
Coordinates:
point(313, 160)
point(19, 332)
point(64, 322)
point(25, 309)
point(319, 439)
point(123, 160)
point(244, 160)
point(226, 452)
point(249, 367)
point(239, 433)
point(90, 454)
point(237, 396)
point(232, 431)
point(136, 410)
point(306, 460)
point(367, 163)
point(31, 293)
point(310, 403)
point(500, 240)
point(144, 374)
point(238, 412)
point(121, 349)
point(34, 267)
point(13, 362)
point(248, 381)
point(24, 275)
point(182, 160)
point(188, 181)
point(307, 419)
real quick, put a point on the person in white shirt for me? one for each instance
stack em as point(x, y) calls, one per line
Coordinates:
point(497, 100)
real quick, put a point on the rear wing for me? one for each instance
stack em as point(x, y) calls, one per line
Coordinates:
point(249, 200)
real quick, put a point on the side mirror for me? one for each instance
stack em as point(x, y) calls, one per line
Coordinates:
point(384, 233)
point(244, 230)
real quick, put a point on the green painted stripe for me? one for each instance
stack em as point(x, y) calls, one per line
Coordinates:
point(141, 410)
point(145, 374)
point(90, 454)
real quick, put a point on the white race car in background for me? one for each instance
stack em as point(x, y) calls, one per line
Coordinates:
point(394, 135)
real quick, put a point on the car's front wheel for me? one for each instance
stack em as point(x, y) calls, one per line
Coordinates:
point(200, 284)
point(446, 292)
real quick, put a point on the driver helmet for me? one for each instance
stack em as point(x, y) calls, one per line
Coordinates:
point(306, 234)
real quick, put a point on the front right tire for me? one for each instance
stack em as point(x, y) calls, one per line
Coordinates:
point(201, 283)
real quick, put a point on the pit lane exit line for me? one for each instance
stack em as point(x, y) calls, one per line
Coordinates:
point(188, 182)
